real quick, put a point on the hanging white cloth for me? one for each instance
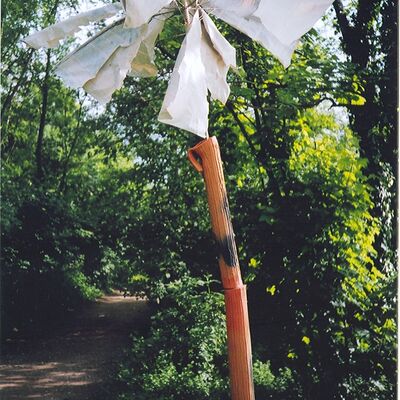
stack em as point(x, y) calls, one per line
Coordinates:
point(127, 48)
point(84, 63)
point(139, 12)
point(185, 104)
point(51, 36)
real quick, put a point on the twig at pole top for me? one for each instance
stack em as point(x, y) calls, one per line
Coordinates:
point(186, 12)
point(187, 6)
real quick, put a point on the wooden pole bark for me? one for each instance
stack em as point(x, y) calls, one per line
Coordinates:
point(206, 158)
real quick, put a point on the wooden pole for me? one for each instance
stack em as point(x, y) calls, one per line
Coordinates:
point(206, 158)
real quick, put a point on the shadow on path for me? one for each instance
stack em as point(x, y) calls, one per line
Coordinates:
point(76, 360)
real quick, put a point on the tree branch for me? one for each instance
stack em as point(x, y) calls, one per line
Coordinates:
point(343, 23)
point(42, 122)
point(10, 96)
point(62, 185)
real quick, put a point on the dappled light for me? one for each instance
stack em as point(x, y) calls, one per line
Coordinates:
point(74, 361)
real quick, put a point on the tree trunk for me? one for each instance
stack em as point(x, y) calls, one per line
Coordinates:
point(12, 92)
point(42, 123)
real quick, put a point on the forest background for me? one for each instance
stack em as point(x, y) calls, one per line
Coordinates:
point(97, 198)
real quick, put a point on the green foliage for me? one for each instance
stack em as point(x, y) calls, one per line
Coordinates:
point(331, 163)
point(43, 259)
point(271, 386)
point(311, 253)
point(184, 353)
point(334, 167)
point(79, 281)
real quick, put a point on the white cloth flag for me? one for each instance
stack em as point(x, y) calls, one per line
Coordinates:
point(254, 28)
point(288, 20)
point(125, 58)
point(217, 56)
point(51, 36)
point(185, 104)
point(276, 24)
point(242, 8)
point(111, 75)
point(127, 48)
point(143, 65)
point(139, 12)
point(203, 63)
point(84, 63)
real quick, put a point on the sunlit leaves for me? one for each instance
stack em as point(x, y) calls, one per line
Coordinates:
point(306, 340)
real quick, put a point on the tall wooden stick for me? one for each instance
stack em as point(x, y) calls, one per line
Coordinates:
point(206, 158)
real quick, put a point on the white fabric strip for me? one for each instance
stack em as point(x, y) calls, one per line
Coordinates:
point(138, 57)
point(276, 25)
point(83, 64)
point(111, 75)
point(288, 20)
point(143, 65)
point(217, 57)
point(242, 8)
point(139, 12)
point(252, 27)
point(51, 36)
point(185, 104)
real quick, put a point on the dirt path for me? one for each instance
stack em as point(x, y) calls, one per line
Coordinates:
point(77, 360)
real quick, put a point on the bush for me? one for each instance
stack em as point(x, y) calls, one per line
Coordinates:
point(184, 355)
point(78, 282)
point(270, 386)
point(43, 263)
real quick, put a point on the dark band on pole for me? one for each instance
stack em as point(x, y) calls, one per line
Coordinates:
point(227, 250)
